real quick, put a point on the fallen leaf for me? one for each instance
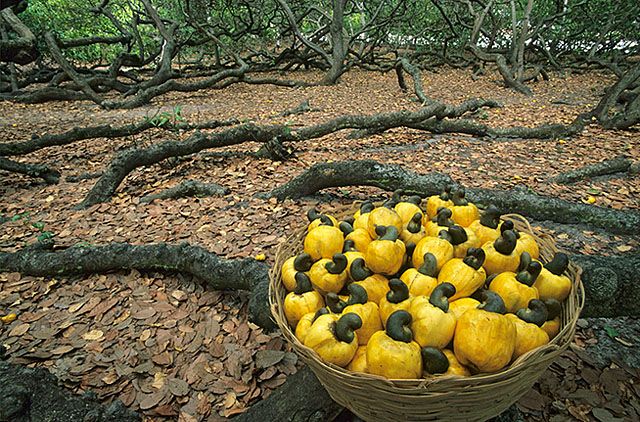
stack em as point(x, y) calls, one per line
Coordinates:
point(178, 387)
point(158, 380)
point(267, 358)
point(110, 378)
point(93, 335)
point(147, 401)
point(164, 358)
point(19, 330)
point(144, 313)
point(61, 350)
point(179, 295)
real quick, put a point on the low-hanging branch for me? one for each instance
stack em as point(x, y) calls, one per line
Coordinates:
point(392, 177)
point(433, 114)
point(102, 131)
point(217, 273)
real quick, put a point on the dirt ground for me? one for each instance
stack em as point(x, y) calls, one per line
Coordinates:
point(168, 348)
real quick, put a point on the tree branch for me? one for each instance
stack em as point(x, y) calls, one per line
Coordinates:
point(392, 177)
point(217, 273)
point(49, 175)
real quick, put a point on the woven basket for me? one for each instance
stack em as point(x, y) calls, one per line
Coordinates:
point(474, 398)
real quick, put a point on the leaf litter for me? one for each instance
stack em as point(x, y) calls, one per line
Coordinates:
point(168, 348)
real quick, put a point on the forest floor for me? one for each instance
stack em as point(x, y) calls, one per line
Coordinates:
point(168, 348)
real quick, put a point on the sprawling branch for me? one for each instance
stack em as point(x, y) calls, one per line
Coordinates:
point(404, 64)
point(102, 131)
point(294, 27)
point(49, 175)
point(22, 49)
point(503, 68)
point(392, 177)
point(630, 114)
point(82, 42)
point(146, 95)
point(218, 273)
point(69, 70)
point(431, 118)
point(34, 394)
point(615, 165)
point(188, 188)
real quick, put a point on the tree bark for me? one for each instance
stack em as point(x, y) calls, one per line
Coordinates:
point(630, 115)
point(34, 394)
point(13, 78)
point(503, 68)
point(403, 63)
point(69, 70)
point(49, 175)
point(612, 284)
point(127, 161)
point(338, 47)
point(81, 42)
point(300, 399)
point(620, 164)
point(188, 188)
point(44, 95)
point(217, 273)
point(103, 131)
point(392, 177)
point(21, 50)
point(430, 118)
point(144, 96)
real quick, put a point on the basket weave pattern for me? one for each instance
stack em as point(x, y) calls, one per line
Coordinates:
point(478, 397)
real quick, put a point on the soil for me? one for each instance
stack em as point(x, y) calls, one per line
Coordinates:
point(169, 349)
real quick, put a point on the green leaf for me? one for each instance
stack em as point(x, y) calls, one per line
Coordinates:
point(38, 225)
point(611, 332)
point(594, 191)
point(44, 236)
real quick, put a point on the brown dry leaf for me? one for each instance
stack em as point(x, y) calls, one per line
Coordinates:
point(146, 334)
point(604, 415)
point(93, 335)
point(158, 380)
point(126, 314)
point(230, 400)
point(179, 295)
point(144, 313)
point(19, 330)
point(76, 307)
point(61, 350)
point(178, 387)
point(164, 358)
point(185, 417)
point(88, 306)
point(110, 378)
point(268, 358)
point(147, 401)
point(165, 410)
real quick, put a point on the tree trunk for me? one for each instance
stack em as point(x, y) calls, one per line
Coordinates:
point(338, 47)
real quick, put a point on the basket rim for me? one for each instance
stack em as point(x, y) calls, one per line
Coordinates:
point(558, 344)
